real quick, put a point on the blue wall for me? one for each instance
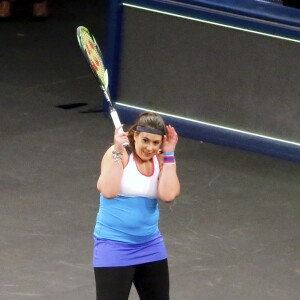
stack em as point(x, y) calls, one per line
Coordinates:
point(253, 15)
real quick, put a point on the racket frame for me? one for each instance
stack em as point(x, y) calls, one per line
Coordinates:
point(103, 82)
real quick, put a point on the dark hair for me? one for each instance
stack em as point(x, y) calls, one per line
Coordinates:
point(149, 120)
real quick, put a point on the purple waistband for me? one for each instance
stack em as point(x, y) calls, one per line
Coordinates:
point(108, 253)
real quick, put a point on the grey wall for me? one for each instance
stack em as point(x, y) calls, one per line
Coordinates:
point(210, 73)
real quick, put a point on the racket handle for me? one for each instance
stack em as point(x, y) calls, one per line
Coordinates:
point(115, 118)
point(117, 123)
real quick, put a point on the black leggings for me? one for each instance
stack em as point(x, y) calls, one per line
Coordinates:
point(151, 281)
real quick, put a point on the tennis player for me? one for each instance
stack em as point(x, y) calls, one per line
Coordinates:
point(128, 246)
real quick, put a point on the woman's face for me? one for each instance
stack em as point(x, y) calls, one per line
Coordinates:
point(147, 144)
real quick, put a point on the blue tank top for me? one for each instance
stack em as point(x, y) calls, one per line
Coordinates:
point(132, 218)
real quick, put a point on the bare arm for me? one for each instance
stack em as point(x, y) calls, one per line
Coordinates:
point(112, 169)
point(168, 184)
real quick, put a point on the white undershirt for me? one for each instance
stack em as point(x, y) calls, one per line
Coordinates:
point(134, 183)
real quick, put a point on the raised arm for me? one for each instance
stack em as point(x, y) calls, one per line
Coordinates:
point(112, 165)
point(168, 184)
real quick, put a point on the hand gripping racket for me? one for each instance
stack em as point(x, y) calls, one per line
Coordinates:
point(94, 58)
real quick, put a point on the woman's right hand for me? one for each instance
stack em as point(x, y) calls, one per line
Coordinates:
point(120, 138)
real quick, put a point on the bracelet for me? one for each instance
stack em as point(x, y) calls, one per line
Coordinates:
point(169, 158)
point(117, 156)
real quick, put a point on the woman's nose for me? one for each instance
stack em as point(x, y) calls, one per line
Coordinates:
point(149, 148)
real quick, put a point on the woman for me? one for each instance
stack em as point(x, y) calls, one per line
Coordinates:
point(129, 247)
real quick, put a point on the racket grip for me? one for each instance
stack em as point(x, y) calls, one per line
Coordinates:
point(115, 118)
point(117, 123)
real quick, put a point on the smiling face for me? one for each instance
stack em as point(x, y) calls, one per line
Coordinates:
point(147, 144)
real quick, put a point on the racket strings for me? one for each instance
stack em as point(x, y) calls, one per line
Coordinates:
point(93, 54)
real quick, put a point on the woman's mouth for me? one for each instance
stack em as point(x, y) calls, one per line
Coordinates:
point(147, 154)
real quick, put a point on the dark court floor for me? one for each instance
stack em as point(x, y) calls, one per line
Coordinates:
point(233, 234)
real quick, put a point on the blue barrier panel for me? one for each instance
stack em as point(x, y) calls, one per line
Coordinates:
point(250, 16)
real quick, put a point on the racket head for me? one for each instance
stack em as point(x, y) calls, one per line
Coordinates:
point(93, 55)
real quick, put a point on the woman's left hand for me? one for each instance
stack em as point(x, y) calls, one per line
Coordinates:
point(170, 139)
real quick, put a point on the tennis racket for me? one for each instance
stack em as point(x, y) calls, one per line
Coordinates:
point(94, 58)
